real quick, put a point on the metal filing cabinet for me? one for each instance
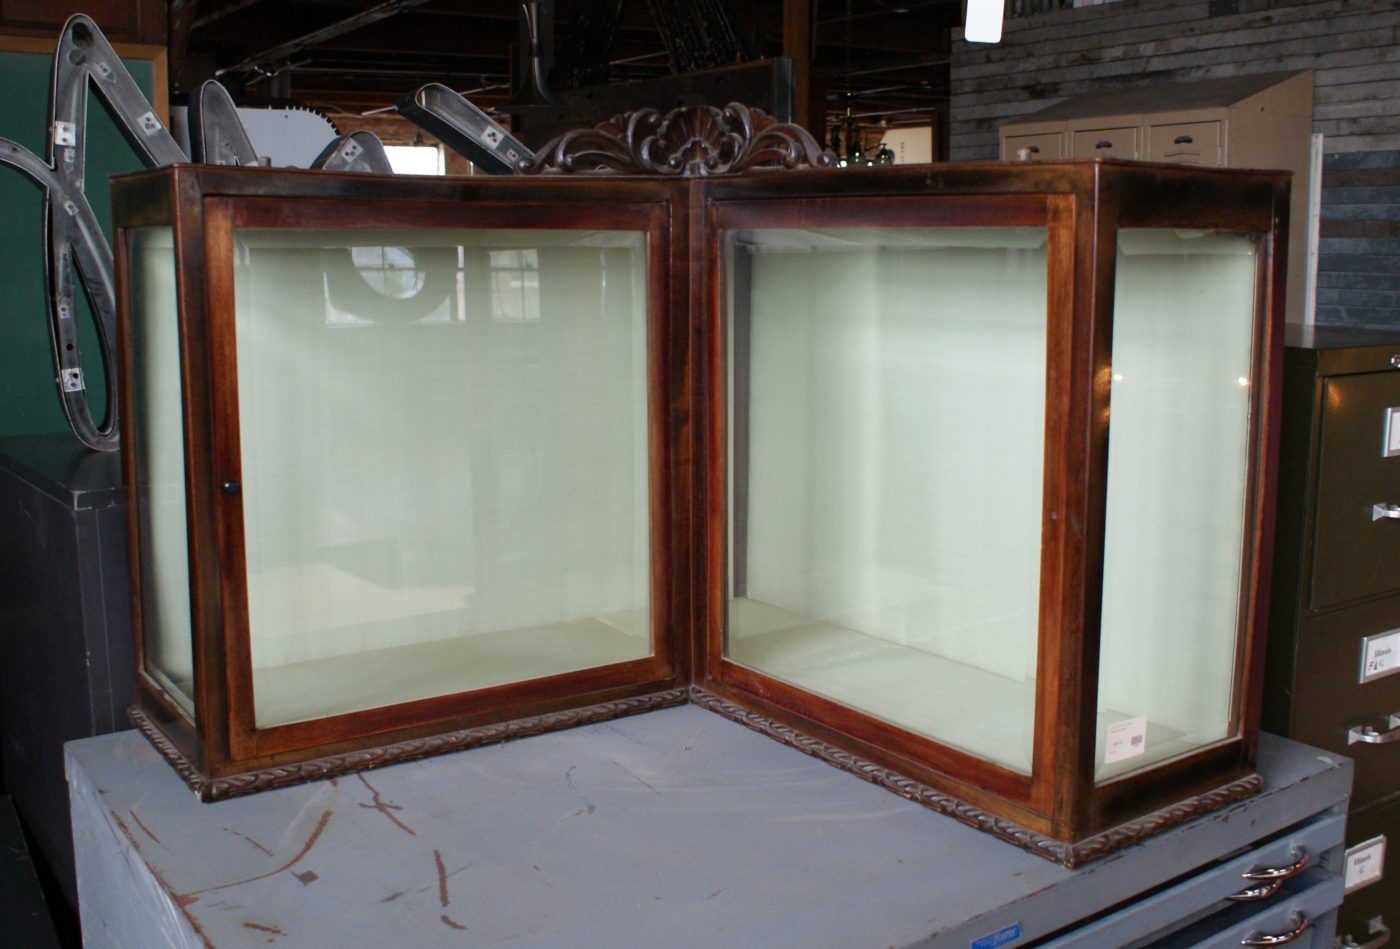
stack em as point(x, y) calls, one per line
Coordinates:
point(1283, 891)
point(1371, 908)
point(1233, 122)
point(1334, 649)
point(731, 840)
point(1253, 121)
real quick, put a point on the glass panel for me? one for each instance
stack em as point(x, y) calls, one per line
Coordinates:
point(444, 456)
point(887, 393)
point(1177, 463)
point(167, 633)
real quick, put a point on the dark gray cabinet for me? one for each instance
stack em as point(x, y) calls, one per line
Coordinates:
point(66, 665)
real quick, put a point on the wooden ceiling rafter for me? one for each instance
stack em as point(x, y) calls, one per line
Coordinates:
point(889, 60)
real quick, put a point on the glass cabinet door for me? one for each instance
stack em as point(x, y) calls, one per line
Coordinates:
point(1178, 469)
point(886, 431)
point(444, 460)
point(167, 637)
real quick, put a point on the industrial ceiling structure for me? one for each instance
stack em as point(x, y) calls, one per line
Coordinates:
point(884, 61)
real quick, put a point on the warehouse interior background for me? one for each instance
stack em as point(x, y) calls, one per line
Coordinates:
point(863, 73)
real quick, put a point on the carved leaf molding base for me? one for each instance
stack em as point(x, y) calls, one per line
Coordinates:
point(1066, 854)
point(249, 782)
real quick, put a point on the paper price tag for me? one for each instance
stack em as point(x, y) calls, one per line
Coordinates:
point(1126, 739)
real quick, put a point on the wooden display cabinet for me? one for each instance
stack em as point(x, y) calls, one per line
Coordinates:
point(421, 464)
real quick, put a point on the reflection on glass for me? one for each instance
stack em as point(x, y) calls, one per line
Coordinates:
point(515, 285)
point(1177, 465)
point(167, 635)
point(392, 271)
point(437, 499)
point(887, 404)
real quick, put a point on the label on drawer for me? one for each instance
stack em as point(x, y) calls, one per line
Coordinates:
point(1391, 447)
point(1380, 655)
point(1003, 936)
point(1365, 863)
point(1126, 739)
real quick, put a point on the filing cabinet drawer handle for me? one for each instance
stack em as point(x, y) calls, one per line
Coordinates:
point(1380, 934)
point(1300, 861)
point(1260, 892)
point(1299, 922)
point(1183, 140)
point(1369, 735)
point(1381, 512)
point(1269, 879)
point(1103, 143)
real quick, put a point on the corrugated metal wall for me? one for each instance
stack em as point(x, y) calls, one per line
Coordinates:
point(1352, 45)
point(1358, 267)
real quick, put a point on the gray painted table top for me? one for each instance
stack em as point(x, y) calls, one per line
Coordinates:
point(674, 828)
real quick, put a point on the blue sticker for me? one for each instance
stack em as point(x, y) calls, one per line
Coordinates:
point(1001, 937)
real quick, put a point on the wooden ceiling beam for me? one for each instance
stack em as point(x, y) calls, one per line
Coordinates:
point(431, 32)
point(891, 33)
point(406, 42)
point(214, 13)
point(282, 51)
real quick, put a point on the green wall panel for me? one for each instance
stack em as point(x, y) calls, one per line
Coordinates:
point(28, 397)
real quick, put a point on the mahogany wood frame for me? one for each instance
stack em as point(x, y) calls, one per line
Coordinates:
point(1057, 810)
point(1083, 205)
point(204, 205)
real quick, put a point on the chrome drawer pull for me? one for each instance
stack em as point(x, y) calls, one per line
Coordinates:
point(1379, 932)
point(1369, 735)
point(1261, 892)
point(1300, 925)
point(1300, 860)
point(1270, 878)
point(1381, 512)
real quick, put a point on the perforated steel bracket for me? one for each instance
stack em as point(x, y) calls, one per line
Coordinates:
point(217, 135)
point(358, 151)
point(72, 238)
point(464, 128)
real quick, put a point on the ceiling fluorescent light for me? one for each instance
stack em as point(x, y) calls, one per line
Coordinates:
point(982, 23)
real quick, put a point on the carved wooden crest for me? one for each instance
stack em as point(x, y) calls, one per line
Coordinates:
point(685, 142)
